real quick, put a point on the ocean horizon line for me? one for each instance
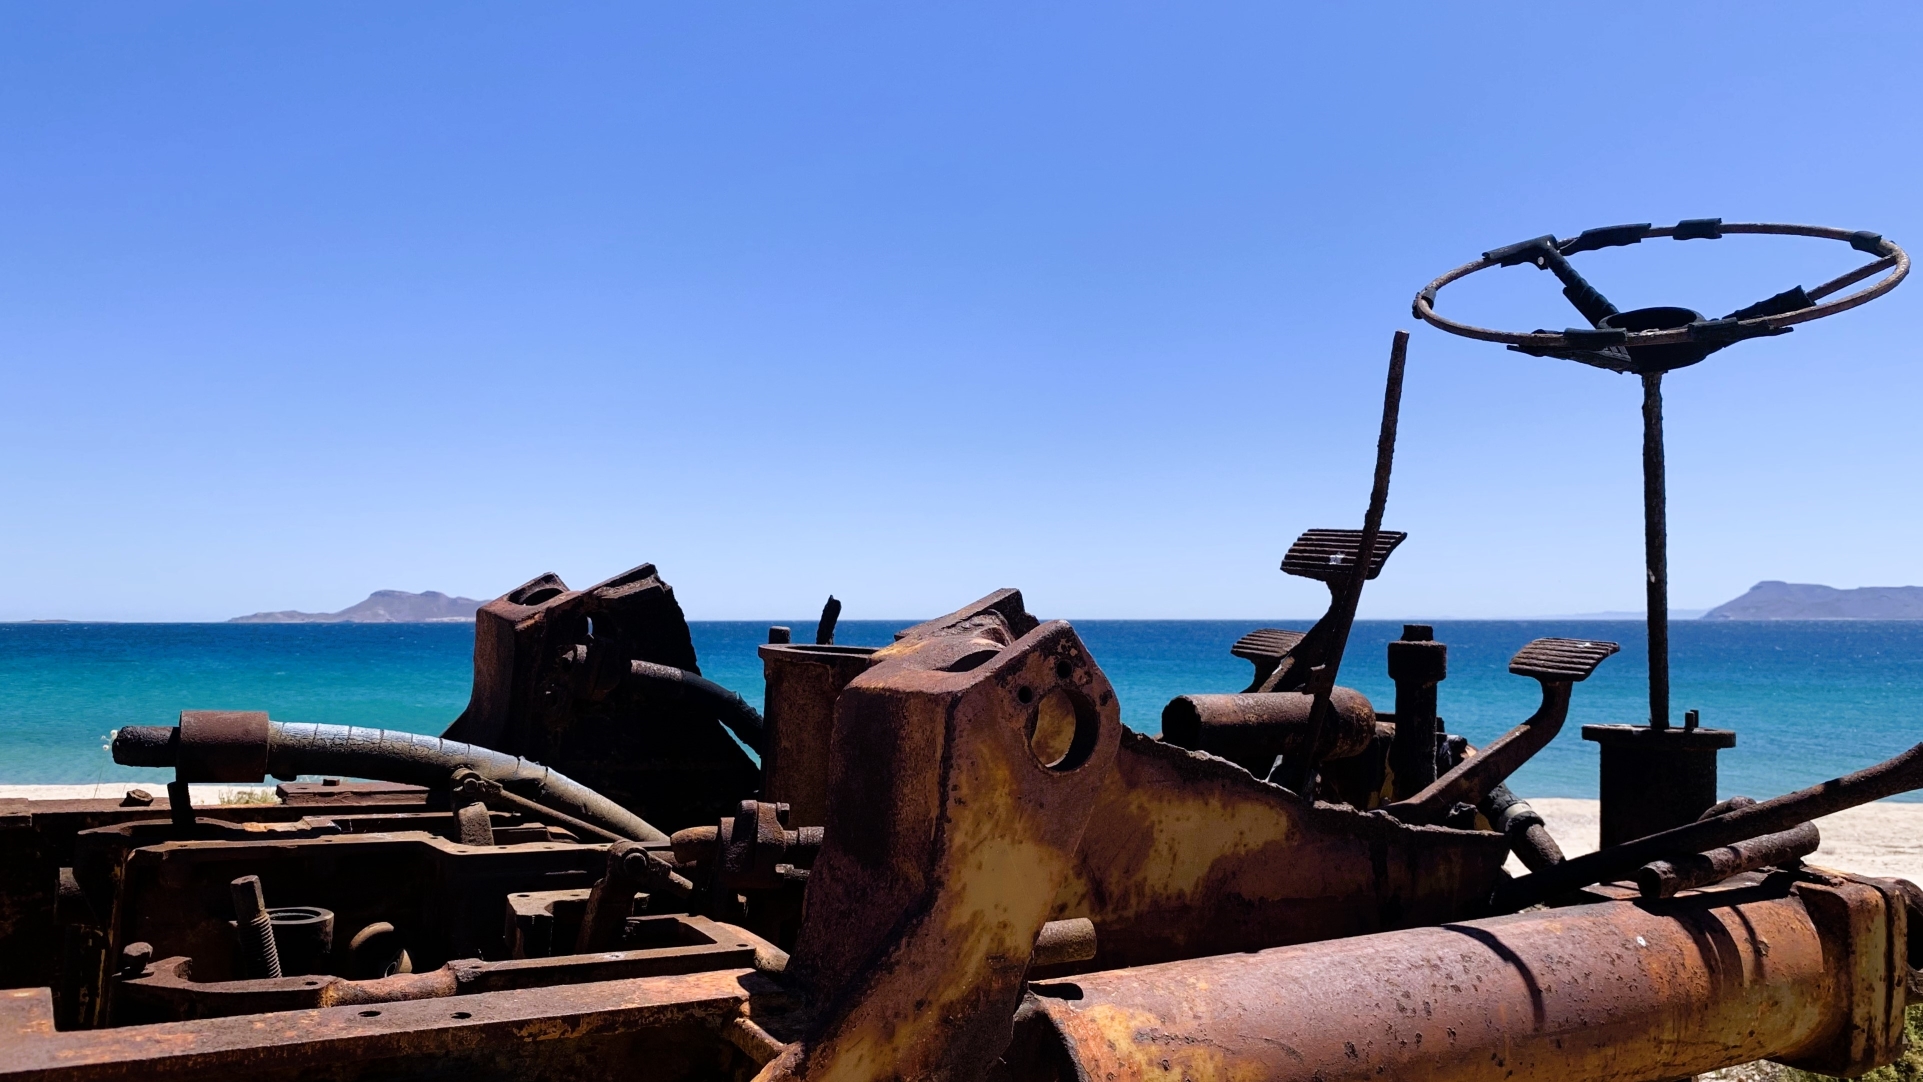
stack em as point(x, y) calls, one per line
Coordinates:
point(1686, 616)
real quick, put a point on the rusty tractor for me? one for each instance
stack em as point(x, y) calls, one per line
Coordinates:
point(945, 857)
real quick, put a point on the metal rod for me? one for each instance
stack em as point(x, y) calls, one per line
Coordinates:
point(1898, 775)
point(1665, 878)
point(1843, 281)
point(489, 790)
point(825, 627)
point(180, 805)
point(1342, 612)
point(1385, 453)
point(1656, 549)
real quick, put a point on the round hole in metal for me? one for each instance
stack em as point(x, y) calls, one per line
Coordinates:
point(1062, 730)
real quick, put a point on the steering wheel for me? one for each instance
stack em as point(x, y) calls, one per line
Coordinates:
point(1655, 340)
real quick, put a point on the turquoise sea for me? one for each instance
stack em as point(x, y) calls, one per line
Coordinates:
point(1808, 700)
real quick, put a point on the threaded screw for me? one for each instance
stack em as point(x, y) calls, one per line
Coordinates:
point(259, 957)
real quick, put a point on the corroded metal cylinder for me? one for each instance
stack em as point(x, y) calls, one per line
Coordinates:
point(1664, 878)
point(1655, 779)
point(1812, 975)
point(803, 681)
point(1250, 730)
point(1417, 663)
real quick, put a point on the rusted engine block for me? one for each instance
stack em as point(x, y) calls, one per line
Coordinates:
point(555, 681)
point(973, 870)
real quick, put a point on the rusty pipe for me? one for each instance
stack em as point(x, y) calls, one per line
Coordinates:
point(1812, 975)
point(245, 745)
point(1251, 729)
point(1664, 878)
point(1897, 775)
point(742, 720)
point(1528, 834)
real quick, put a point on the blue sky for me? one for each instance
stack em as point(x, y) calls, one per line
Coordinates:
point(908, 302)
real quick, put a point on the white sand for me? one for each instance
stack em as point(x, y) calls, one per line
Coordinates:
point(114, 790)
point(1881, 839)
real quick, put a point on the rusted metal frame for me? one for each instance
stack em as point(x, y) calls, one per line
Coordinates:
point(1900, 774)
point(1424, 305)
point(750, 868)
point(1298, 774)
point(697, 945)
point(1664, 878)
point(42, 921)
point(174, 895)
point(496, 1029)
point(1810, 973)
point(493, 794)
point(1471, 780)
point(1186, 855)
point(58, 822)
point(631, 870)
point(953, 823)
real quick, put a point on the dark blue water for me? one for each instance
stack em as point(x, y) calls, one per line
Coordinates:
point(1808, 700)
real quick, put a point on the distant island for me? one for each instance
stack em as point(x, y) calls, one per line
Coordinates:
point(381, 607)
point(1807, 601)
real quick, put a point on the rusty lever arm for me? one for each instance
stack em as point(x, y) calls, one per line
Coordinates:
point(1472, 779)
point(1898, 775)
point(1300, 775)
point(1557, 664)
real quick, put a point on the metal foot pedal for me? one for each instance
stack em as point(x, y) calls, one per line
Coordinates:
point(1561, 660)
point(1265, 648)
point(1330, 555)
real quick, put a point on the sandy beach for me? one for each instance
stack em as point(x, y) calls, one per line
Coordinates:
point(114, 790)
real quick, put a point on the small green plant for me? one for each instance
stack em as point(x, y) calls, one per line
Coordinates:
point(248, 796)
point(1907, 1069)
